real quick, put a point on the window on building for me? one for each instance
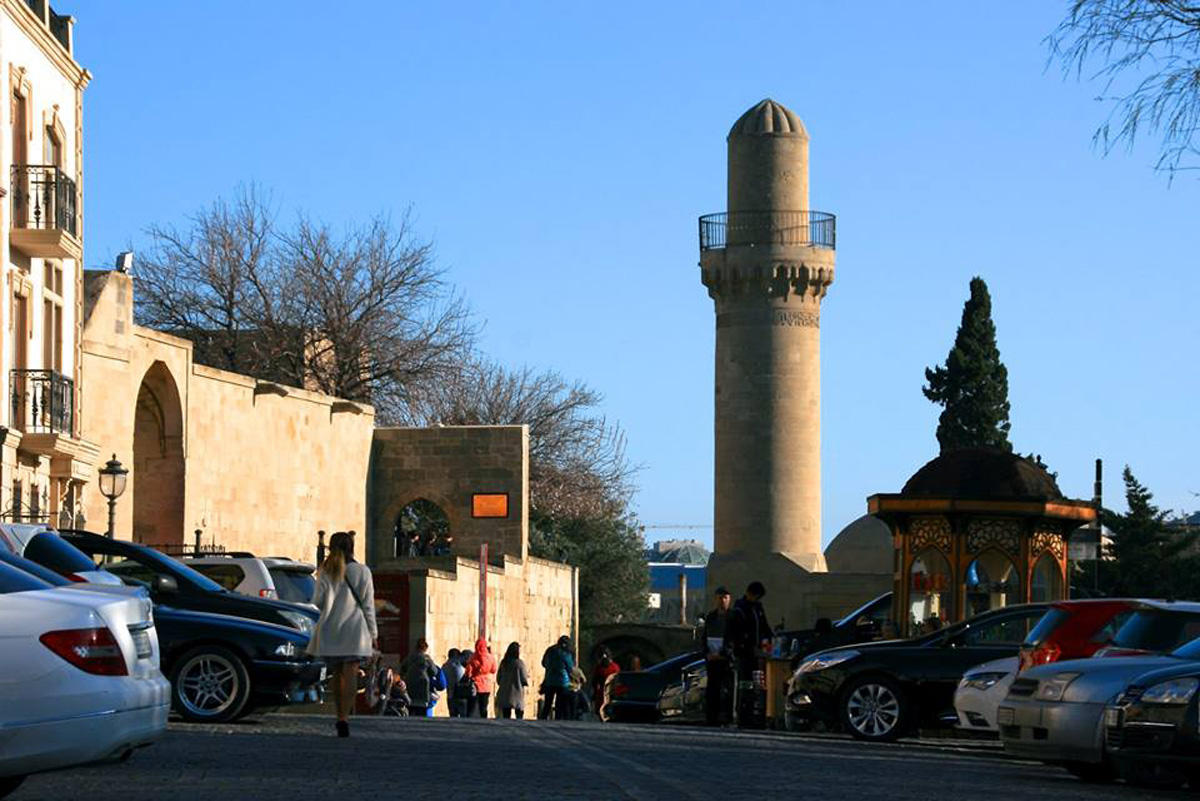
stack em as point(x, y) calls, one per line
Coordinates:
point(51, 148)
point(19, 119)
point(18, 493)
point(52, 317)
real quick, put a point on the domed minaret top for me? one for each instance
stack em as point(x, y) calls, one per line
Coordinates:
point(769, 118)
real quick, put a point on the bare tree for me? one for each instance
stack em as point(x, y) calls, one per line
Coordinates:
point(1149, 58)
point(577, 461)
point(358, 315)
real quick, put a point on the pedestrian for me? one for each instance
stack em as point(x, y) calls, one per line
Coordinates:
point(453, 670)
point(421, 676)
point(512, 678)
point(605, 667)
point(481, 668)
point(718, 691)
point(748, 636)
point(580, 705)
point(345, 633)
point(558, 663)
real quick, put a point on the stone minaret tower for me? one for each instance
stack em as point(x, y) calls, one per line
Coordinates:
point(767, 263)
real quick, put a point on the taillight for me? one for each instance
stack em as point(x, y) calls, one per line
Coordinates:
point(265, 593)
point(1046, 653)
point(91, 650)
point(76, 577)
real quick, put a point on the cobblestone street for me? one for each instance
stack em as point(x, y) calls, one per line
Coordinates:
point(294, 757)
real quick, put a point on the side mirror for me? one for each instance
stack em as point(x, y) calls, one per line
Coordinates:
point(165, 585)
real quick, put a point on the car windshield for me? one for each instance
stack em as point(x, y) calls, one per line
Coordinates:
point(33, 568)
point(14, 580)
point(142, 564)
point(1158, 630)
point(52, 551)
point(674, 663)
point(1046, 626)
point(1190, 651)
point(878, 610)
point(291, 584)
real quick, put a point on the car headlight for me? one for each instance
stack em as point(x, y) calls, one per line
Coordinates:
point(1176, 691)
point(826, 660)
point(1052, 689)
point(982, 681)
point(287, 649)
point(299, 620)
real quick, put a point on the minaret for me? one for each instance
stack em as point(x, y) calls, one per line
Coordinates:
point(767, 263)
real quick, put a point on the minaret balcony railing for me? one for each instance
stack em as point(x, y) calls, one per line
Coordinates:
point(814, 229)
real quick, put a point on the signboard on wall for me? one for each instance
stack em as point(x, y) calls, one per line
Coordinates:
point(489, 504)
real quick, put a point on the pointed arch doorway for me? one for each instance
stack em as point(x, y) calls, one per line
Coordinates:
point(158, 466)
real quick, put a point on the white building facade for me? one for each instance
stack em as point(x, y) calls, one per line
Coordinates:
point(45, 463)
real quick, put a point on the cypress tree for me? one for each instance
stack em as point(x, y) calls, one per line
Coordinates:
point(1146, 558)
point(972, 387)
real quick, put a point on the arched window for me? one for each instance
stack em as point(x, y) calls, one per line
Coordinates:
point(929, 592)
point(992, 582)
point(422, 529)
point(1046, 583)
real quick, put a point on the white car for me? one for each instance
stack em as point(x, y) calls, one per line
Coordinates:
point(262, 577)
point(41, 544)
point(79, 677)
point(980, 692)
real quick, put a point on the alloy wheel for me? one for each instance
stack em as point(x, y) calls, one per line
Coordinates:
point(208, 685)
point(873, 710)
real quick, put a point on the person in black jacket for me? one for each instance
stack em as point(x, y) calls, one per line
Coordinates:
point(748, 638)
point(719, 688)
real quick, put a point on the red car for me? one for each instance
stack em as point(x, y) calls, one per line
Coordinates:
point(1073, 630)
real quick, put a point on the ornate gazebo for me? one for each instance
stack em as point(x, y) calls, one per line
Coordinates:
point(973, 530)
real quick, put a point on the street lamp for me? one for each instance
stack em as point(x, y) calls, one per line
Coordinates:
point(112, 484)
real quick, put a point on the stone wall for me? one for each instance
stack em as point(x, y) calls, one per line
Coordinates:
point(531, 602)
point(258, 467)
point(448, 465)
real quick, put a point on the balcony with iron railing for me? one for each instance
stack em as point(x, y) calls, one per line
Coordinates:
point(814, 229)
point(43, 402)
point(44, 222)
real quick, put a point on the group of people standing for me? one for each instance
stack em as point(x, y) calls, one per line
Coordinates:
point(736, 637)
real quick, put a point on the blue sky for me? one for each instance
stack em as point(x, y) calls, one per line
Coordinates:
point(559, 155)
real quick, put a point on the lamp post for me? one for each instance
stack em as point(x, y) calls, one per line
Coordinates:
point(112, 484)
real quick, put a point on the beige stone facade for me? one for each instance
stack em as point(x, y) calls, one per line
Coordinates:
point(253, 465)
point(528, 600)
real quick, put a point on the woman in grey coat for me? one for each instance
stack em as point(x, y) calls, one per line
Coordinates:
point(511, 680)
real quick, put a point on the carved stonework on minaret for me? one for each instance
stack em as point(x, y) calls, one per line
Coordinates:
point(767, 263)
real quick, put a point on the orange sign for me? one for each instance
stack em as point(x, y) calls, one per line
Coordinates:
point(493, 504)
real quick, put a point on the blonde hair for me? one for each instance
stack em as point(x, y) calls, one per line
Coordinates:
point(341, 552)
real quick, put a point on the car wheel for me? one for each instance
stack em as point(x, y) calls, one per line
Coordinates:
point(874, 709)
point(9, 783)
point(1092, 772)
point(210, 685)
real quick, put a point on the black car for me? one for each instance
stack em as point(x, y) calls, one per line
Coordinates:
point(682, 701)
point(631, 696)
point(175, 584)
point(882, 690)
point(1151, 732)
point(220, 668)
point(864, 624)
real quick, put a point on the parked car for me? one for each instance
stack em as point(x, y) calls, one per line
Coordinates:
point(882, 690)
point(79, 676)
point(44, 546)
point(174, 584)
point(631, 696)
point(1069, 630)
point(1054, 712)
point(862, 625)
point(682, 701)
point(1152, 730)
point(261, 577)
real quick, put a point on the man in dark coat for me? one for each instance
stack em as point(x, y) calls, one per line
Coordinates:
point(719, 689)
point(748, 637)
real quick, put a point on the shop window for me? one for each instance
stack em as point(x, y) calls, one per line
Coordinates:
point(929, 592)
point(1046, 584)
point(992, 582)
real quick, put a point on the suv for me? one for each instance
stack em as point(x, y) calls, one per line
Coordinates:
point(263, 577)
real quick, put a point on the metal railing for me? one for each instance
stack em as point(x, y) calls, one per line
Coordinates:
point(43, 197)
point(43, 402)
point(816, 229)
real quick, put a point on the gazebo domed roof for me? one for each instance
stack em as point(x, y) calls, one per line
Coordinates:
point(982, 473)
